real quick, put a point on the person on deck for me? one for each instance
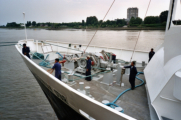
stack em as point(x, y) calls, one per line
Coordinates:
point(88, 69)
point(133, 72)
point(114, 58)
point(151, 53)
point(26, 50)
point(57, 68)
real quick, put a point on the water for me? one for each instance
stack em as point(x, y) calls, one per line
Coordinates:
point(20, 95)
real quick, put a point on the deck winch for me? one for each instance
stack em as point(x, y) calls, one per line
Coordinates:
point(99, 60)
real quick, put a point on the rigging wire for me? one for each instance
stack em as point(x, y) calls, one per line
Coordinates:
point(7, 42)
point(99, 25)
point(7, 45)
point(139, 33)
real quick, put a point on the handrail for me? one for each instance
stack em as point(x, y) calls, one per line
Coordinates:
point(56, 42)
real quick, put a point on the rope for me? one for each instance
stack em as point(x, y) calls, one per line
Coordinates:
point(113, 105)
point(99, 25)
point(139, 33)
point(45, 64)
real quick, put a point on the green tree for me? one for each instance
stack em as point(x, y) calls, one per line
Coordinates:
point(13, 24)
point(100, 22)
point(163, 16)
point(38, 24)
point(48, 23)
point(152, 20)
point(33, 23)
point(92, 20)
point(132, 21)
point(28, 23)
point(108, 22)
point(138, 20)
point(83, 23)
point(119, 21)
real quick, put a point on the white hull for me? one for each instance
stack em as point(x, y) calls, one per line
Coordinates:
point(76, 100)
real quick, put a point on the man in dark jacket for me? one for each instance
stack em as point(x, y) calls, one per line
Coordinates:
point(88, 68)
point(151, 53)
point(26, 50)
point(114, 58)
point(133, 72)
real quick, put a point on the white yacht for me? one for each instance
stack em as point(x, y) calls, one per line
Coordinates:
point(108, 95)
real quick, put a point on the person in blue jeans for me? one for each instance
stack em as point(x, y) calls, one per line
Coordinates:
point(132, 76)
point(57, 68)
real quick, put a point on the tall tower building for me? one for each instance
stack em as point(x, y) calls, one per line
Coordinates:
point(132, 12)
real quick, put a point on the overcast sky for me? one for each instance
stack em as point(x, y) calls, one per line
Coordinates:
point(74, 10)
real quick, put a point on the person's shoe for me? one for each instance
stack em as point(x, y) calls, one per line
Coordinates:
point(132, 88)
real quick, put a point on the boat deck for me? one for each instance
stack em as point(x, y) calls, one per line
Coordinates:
point(134, 102)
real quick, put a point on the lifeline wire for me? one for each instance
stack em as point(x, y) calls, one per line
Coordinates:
point(99, 25)
point(139, 33)
point(7, 42)
point(61, 46)
point(7, 45)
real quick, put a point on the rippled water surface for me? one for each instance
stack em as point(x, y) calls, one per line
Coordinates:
point(20, 95)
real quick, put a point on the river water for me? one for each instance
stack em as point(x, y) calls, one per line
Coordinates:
point(20, 95)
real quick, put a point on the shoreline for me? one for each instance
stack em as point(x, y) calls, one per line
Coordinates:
point(117, 28)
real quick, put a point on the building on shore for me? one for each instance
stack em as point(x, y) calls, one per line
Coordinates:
point(132, 12)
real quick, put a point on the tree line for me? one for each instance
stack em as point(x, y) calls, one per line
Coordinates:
point(150, 21)
point(93, 22)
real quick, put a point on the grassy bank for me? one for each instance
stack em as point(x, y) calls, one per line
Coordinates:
point(114, 28)
point(92, 28)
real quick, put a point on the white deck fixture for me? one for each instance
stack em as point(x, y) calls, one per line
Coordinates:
point(81, 84)
point(105, 101)
point(87, 89)
point(143, 63)
point(70, 77)
point(108, 77)
point(177, 84)
point(119, 74)
point(118, 109)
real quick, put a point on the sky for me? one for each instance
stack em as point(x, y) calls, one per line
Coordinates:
point(59, 11)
